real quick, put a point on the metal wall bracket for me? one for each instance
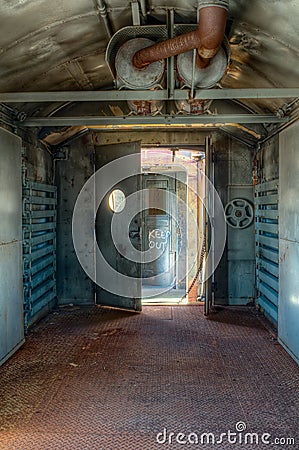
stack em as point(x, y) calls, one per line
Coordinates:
point(62, 153)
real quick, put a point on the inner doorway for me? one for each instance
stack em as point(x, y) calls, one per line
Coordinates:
point(172, 224)
point(164, 233)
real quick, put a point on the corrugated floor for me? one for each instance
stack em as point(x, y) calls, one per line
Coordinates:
point(94, 378)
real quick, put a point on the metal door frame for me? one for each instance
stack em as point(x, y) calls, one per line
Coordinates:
point(209, 230)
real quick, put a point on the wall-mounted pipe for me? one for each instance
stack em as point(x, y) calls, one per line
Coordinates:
point(143, 7)
point(102, 8)
point(206, 39)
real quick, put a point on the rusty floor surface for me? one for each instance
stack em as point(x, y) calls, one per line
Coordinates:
point(94, 378)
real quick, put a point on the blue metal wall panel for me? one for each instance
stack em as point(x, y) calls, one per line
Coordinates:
point(39, 247)
point(11, 300)
point(267, 243)
point(288, 320)
point(11, 291)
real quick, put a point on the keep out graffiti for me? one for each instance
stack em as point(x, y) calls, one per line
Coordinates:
point(158, 239)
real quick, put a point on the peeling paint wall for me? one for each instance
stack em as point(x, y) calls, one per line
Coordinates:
point(268, 160)
point(151, 137)
point(38, 163)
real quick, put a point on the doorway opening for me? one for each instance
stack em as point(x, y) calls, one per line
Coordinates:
point(150, 225)
point(173, 224)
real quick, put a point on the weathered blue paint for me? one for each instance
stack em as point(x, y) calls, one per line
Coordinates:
point(39, 248)
point(267, 235)
point(288, 310)
point(11, 295)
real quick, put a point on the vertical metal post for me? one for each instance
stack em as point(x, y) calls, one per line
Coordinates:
point(135, 12)
point(170, 61)
point(202, 226)
point(193, 73)
point(212, 206)
point(208, 227)
point(194, 62)
point(143, 8)
point(198, 159)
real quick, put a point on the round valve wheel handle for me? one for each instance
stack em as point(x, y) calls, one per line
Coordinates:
point(239, 213)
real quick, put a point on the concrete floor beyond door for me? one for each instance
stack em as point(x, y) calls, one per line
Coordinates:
point(95, 378)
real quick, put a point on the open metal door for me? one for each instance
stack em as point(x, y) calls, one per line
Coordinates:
point(118, 240)
point(209, 231)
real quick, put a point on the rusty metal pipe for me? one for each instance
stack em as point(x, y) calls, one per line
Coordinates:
point(211, 29)
point(207, 38)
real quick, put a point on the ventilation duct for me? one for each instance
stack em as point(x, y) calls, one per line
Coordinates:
point(119, 54)
point(138, 62)
point(128, 77)
point(190, 75)
point(207, 39)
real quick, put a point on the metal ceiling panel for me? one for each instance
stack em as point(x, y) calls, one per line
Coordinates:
point(60, 45)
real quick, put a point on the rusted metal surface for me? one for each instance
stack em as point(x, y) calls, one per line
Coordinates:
point(211, 28)
point(207, 39)
point(171, 47)
point(98, 379)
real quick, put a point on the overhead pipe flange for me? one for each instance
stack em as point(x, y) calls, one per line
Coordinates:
point(220, 3)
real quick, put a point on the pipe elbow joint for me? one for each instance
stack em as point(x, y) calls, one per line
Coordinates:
point(138, 61)
point(207, 39)
point(211, 27)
